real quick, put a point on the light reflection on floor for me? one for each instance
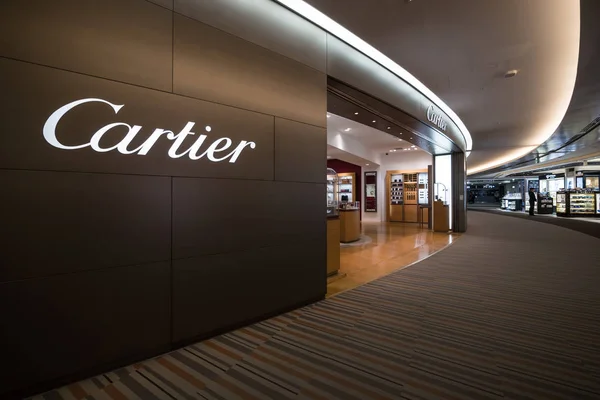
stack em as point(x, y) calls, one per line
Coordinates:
point(394, 246)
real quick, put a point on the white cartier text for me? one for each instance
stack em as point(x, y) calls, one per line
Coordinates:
point(216, 151)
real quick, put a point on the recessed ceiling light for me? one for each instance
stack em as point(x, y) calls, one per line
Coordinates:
point(207, 128)
point(399, 140)
point(355, 113)
point(328, 115)
point(389, 127)
point(374, 121)
point(411, 138)
point(347, 130)
point(413, 146)
point(367, 165)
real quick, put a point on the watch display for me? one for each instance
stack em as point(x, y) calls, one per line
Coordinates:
point(397, 189)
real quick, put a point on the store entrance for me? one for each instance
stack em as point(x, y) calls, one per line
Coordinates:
point(379, 203)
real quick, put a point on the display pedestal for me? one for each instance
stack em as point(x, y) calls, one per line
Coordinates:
point(349, 225)
point(441, 215)
point(333, 245)
point(545, 205)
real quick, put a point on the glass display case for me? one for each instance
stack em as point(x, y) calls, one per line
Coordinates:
point(512, 202)
point(561, 203)
point(582, 204)
point(332, 192)
point(577, 203)
point(346, 187)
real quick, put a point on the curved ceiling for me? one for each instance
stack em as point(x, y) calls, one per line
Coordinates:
point(578, 135)
point(461, 50)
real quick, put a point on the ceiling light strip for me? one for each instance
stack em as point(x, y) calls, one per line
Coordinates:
point(329, 25)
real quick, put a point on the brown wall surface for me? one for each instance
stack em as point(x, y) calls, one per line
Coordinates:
point(107, 258)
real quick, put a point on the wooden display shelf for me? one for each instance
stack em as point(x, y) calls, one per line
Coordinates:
point(409, 210)
point(344, 179)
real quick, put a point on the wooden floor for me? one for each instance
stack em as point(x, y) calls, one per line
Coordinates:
point(392, 246)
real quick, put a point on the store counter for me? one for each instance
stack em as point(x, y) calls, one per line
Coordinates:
point(349, 225)
point(441, 214)
point(333, 244)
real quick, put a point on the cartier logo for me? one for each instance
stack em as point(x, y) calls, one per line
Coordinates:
point(216, 151)
point(436, 119)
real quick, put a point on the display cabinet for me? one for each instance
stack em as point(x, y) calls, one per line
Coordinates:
point(577, 203)
point(545, 204)
point(333, 224)
point(396, 197)
point(582, 204)
point(346, 187)
point(561, 204)
point(406, 191)
point(411, 191)
point(512, 202)
point(332, 192)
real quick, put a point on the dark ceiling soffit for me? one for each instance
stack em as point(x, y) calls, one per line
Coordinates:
point(425, 137)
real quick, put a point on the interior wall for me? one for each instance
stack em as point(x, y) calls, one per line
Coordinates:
point(109, 257)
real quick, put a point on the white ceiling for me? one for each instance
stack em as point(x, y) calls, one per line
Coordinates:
point(371, 139)
point(461, 49)
point(335, 153)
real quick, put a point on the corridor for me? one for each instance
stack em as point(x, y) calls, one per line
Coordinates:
point(509, 310)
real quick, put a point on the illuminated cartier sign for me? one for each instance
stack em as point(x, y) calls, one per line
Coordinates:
point(194, 153)
point(436, 119)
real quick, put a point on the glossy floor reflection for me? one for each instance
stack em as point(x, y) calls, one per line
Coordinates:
point(393, 246)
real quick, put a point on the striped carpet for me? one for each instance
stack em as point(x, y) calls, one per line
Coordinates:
point(511, 310)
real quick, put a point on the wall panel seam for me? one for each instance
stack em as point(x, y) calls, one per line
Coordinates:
point(157, 176)
point(154, 89)
point(258, 45)
point(84, 271)
point(311, 240)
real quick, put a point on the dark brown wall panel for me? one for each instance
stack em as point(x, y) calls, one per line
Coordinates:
point(265, 23)
point(213, 292)
point(36, 92)
point(72, 323)
point(211, 64)
point(125, 40)
point(300, 144)
point(163, 3)
point(65, 222)
point(217, 215)
point(108, 257)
